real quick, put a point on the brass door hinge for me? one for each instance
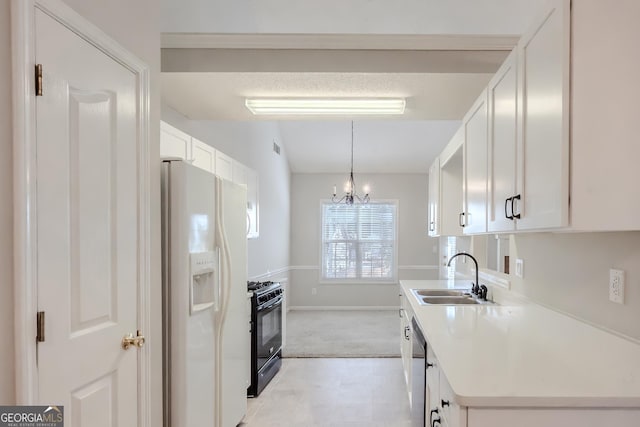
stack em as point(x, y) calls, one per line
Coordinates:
point(38, 79)
point(40, 327)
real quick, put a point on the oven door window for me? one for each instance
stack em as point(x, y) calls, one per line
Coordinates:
point(269, 333)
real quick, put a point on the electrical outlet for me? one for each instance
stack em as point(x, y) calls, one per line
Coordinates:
point(314, 291)
point(616, 286)
point(520, 267)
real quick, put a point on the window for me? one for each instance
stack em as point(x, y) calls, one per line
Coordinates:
point(359, 242)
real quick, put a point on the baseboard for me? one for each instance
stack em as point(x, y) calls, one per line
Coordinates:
point(341, 307)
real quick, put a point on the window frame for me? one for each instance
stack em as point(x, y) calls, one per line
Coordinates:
point(359, 280)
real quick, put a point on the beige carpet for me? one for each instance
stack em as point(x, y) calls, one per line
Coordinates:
point(343, 333)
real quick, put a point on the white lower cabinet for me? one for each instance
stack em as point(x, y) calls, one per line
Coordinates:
point(406, 340)
point(432, 388)
point(551, 417)
point(442, 408)
point(451, 412)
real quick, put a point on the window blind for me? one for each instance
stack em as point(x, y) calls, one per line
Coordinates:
point(359, 241)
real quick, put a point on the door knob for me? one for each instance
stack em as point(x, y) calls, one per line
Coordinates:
point(130, 340)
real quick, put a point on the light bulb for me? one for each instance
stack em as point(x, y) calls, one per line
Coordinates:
point(366, 189)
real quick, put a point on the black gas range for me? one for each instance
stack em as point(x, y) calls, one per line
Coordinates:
point(266, 333)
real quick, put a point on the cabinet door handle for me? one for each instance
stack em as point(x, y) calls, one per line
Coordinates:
point(444, 403)
point(433, 411)
point(400, 312)
point(461, 219)
point(429, 365)
point(406, 333)
point(432, 226)
point(513, 201)
point(506, 203)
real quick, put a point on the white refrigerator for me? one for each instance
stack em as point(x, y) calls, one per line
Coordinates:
point(206, 330)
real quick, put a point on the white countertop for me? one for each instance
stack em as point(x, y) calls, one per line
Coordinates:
point(526, 355)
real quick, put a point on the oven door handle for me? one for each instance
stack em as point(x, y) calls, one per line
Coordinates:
point(278, 301)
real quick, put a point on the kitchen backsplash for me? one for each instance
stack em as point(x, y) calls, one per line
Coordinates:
point(570, 273)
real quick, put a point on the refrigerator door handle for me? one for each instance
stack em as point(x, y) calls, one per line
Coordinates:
point(218, 281)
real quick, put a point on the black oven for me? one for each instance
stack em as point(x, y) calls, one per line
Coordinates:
point(266, 333)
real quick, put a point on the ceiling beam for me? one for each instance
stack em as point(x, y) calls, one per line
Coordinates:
point(340, 41)
point(329, 61)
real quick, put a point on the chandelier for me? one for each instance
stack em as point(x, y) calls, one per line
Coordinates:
point(350, 187)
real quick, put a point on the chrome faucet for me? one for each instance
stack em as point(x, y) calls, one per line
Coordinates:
point(476, 286)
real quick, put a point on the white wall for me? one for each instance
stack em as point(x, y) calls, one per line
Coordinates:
point(135, 25)
point(7, 395)
point(417, 253)
point(570, 273)
point(251, 143)
point(349, 17)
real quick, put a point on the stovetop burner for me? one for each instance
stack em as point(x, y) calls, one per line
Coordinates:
point(260, 287)
point(254, 286)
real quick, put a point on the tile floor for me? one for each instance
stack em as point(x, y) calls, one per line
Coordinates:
point(333, 393)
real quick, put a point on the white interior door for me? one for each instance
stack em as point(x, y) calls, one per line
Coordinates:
point(87, 229)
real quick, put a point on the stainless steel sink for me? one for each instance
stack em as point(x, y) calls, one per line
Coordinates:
point(441, 293)
point(446, 297)
point(460, 300)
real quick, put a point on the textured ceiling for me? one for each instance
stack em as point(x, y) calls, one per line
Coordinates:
point(439, 87)
point(220, 96)
point(391, 146)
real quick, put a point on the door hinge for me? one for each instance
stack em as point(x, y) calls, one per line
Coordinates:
point(40, 327)
point(38, 79)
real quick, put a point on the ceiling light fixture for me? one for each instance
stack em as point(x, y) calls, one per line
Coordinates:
point(350, 186)
point(326, 106)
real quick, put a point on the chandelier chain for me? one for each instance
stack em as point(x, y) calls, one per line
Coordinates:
point(351, 194)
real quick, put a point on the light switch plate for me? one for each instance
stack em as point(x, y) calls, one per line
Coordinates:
point(520, 267)
point(616, 286)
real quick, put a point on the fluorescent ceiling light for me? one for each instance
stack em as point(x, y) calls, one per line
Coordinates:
point(325, 106)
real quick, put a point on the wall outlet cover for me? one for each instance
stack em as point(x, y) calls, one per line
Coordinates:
point(616, 286)
point(520, 267)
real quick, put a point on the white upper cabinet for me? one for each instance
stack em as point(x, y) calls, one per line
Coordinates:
point(204, 155)
point(503, 169)
point(434, 199)
point(253, 213)
point(474, 214)
point(224, 166)
point(174, 143)
point(605, 114)
point(246, 176)
point(451, 195)
point(543, 108)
